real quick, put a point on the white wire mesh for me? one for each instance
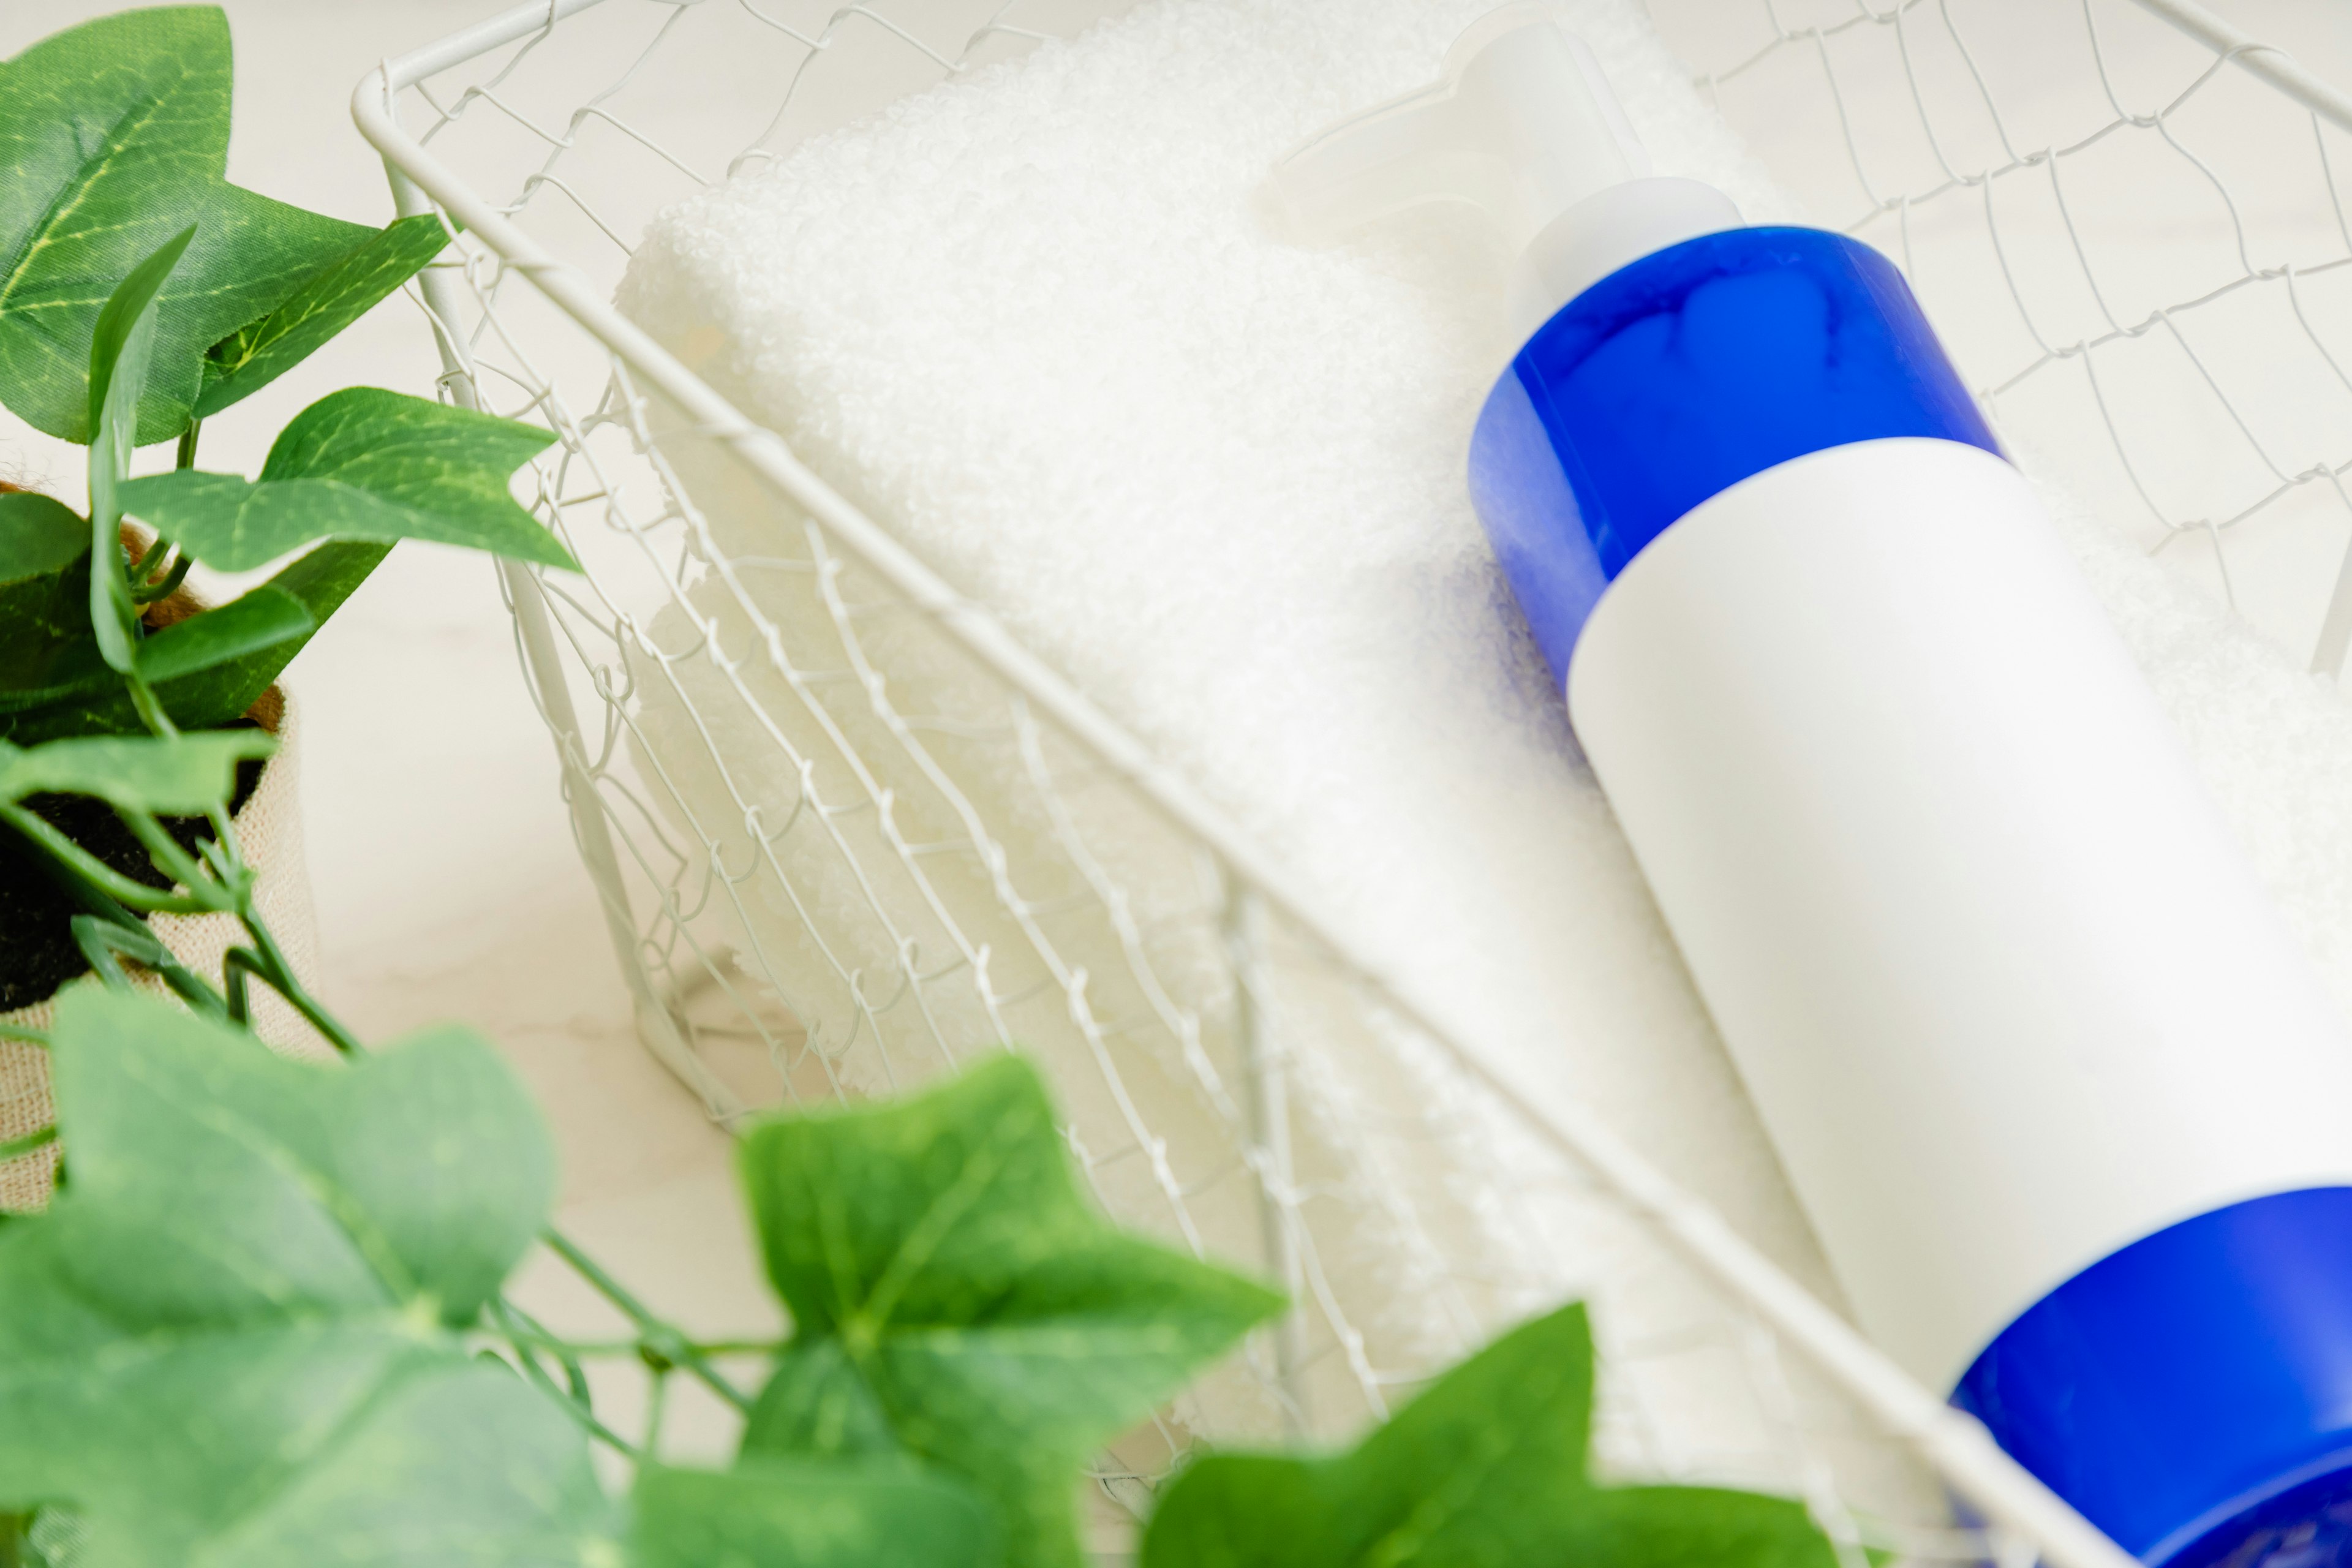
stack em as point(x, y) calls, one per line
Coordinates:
point(2137, 250)
point(847, 833)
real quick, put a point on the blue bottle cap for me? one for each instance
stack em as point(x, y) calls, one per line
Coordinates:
point(2191, 1395)
point(1677, 377)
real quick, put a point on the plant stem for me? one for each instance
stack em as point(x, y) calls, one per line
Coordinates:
point(660, 1335)
point(105, 930)
point(112, 934)
point(541, 1340)
point(186, 455)
point(99, 876)
point(527, 1334)
point(144, 593)
point(278, 975)
point(578, 1412)
point(149, 706)
point(148, 561)
point(657, 1407)
point(265, 959)
point(177, 863)
point(554, 1346)
point(16, 1148)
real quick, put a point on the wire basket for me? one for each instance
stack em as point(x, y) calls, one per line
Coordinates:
point(925, 843)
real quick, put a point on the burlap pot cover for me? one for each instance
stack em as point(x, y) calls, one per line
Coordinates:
point(270, 834)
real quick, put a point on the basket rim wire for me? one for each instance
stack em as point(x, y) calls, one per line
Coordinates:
point(1950, 1442)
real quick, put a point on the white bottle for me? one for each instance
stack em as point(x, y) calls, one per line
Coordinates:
point(2069, 1111)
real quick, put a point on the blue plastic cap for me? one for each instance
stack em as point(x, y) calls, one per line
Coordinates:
point(1675, 378)
point(2191, 1395)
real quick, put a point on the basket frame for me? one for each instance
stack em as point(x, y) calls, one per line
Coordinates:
point(1954, 1443)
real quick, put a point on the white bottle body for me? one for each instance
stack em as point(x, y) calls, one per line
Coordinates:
point(2005, 991)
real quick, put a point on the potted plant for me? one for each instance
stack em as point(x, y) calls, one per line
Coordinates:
point(40, 950)
point(118, 133)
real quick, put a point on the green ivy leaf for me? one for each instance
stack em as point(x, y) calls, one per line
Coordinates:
point(44, 584)
point(184, 775)
point(320, 581)
point(359, 464)
point(953, 1296)
point(1486, 1468)
point(337, 295)
point(808, 1513)
point(72, 677)
point(122, 344)
point(261, 619)
point(75, 694)
point(121, 350)
point(228, 1339)
point(39, 537)
point(115, 137)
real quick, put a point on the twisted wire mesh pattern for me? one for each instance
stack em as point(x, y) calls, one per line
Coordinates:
point(2121, 365)
point(840, 852)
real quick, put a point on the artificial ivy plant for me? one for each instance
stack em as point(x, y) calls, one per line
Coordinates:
point(115, 139)
point(264, 1321)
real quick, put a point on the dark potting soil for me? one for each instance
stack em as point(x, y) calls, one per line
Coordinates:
point(37, 953)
